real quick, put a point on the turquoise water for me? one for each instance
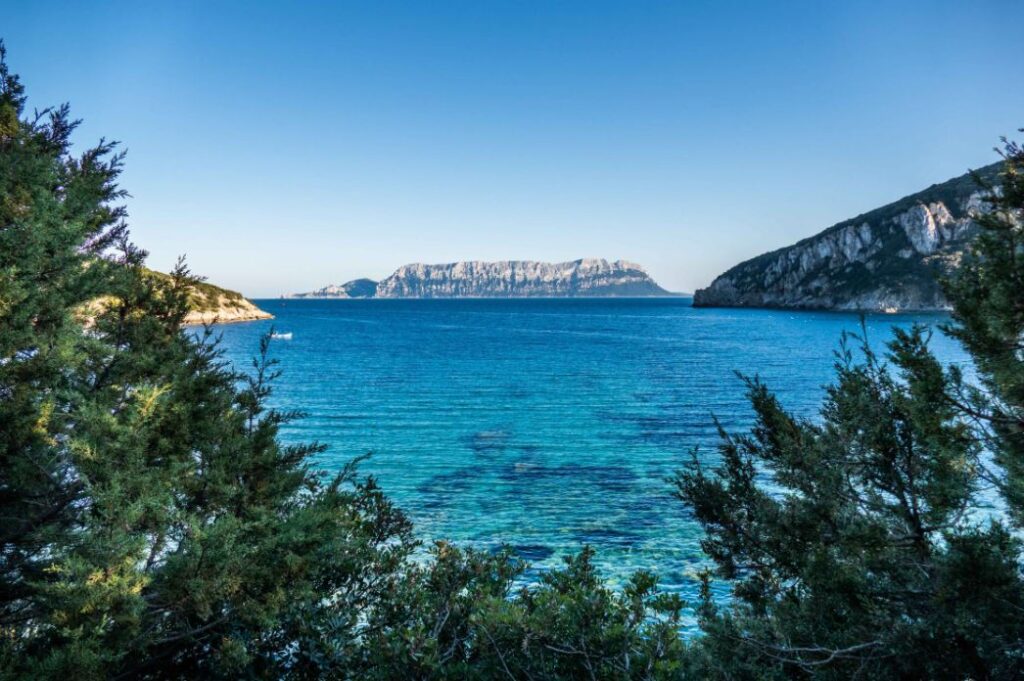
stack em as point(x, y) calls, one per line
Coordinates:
point(543, 424)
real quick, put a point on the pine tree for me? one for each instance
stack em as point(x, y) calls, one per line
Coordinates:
point(988, 319)
point(153, 526)
point(863, 543)
point(461, 616)
point(57, 214)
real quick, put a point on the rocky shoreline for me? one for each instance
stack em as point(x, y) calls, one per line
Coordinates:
point(246, 312)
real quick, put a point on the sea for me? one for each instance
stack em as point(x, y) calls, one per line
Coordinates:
point(546, 425)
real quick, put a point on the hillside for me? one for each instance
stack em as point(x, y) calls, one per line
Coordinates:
point(208, 304)
point(890, 258)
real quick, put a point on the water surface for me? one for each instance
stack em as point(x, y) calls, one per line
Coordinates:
point(543, 424)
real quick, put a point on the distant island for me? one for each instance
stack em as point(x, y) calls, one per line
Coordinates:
point(584, 278)
point(888, 259)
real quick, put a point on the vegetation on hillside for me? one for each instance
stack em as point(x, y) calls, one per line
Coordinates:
point(153, 525)
point(890, 268)
point(203, 296)
point(205, 303)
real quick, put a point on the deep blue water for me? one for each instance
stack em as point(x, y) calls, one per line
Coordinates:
point(543, 424)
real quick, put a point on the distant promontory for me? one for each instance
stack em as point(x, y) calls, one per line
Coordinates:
point(584, 278)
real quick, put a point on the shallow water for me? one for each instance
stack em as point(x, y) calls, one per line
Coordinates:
point(543, 424)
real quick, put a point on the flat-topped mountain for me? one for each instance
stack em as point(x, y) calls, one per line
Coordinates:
point(889, 259)
point(588, 277)
point(520, 279)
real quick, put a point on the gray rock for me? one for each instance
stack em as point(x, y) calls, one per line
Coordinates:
point(888, 259)
point(588, 277)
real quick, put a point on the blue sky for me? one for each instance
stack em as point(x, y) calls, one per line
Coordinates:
point(284, 146)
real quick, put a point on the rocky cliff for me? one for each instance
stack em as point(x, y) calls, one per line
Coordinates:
point(507, 279)
point(510, 279)
point(888, 259)
point(520, 279)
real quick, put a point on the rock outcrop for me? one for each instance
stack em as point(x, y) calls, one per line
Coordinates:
point(589, 277)
point(227, 311)
point(888, 259)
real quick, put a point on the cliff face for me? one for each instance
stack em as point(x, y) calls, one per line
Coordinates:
point(520, 279)
point(889, 258)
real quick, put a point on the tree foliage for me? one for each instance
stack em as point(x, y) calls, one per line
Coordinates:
point(865, 543)
point(988, 319)
point(152, 523)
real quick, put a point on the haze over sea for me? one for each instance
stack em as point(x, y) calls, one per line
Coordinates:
point(545, 424)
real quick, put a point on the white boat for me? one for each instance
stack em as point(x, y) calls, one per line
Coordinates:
point(281, 336)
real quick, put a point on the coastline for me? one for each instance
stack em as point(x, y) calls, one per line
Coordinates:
point(226, 316)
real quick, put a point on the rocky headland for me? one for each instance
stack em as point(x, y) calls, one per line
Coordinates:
point(888, 259)
point(209, 304)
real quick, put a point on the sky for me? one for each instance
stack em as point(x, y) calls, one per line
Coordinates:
point(284, 146)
